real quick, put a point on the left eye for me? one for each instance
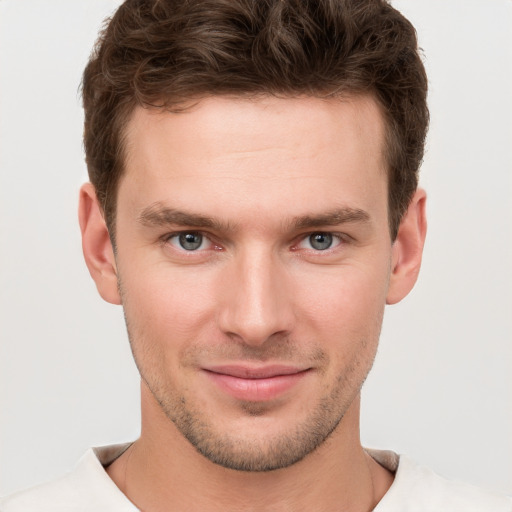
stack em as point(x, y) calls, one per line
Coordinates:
point(320, 241)
point(189, 241)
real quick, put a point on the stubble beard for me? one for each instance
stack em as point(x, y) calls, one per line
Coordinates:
point(266, 454)
point(252, 455)
point(241, 452)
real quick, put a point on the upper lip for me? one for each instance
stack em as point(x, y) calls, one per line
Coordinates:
point(255, 372)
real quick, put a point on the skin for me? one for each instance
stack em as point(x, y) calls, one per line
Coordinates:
point(255, 179)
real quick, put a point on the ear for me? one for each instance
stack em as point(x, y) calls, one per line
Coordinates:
point(407, 249)
point(96, 245)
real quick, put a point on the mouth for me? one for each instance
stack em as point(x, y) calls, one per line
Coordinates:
point(256, 384)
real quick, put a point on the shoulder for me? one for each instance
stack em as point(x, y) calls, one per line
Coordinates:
point(418, 489)
point(87, 488)
point(58, 495)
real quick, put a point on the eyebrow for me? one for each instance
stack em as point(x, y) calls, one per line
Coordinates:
point(158, 214)
point(335, 217)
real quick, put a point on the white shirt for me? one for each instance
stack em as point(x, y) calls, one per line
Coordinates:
point(88, 488)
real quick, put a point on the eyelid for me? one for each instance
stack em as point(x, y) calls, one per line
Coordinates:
point(164, 239)
point(341, 238)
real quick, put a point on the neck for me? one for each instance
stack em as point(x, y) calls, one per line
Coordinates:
point(163, 471)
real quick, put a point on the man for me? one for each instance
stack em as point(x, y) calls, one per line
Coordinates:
point(253, 206)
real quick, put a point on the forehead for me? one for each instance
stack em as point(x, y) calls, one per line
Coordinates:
point(266, 150)
point(229, 125)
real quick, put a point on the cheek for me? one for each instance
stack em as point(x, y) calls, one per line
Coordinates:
point(168, 293)
point(164, 310)
point(355, 292)
point(343, 311)
point(352, 323)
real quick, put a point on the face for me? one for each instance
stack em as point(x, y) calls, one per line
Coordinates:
point(254, 258)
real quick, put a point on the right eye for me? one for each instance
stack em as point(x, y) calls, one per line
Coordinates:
point(189, 241)
point(320, 241)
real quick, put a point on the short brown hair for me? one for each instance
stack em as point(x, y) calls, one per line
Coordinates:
point(163, 53)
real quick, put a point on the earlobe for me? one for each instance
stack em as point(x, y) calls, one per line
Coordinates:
point(408, 249)
point(96, 245)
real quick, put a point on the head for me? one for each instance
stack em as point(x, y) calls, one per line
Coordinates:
point(256, 162)
point(168, 54)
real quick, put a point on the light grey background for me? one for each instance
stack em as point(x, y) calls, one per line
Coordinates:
point(441, 389)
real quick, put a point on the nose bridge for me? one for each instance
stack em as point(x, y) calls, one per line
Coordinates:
point(257, 304)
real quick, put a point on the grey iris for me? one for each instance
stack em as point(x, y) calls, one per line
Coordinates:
point(320, 241)
point(191, 241)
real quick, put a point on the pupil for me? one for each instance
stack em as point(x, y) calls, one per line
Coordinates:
point(320, 241)
point(191, 241)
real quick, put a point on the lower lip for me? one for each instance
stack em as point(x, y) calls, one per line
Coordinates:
point(256, 390)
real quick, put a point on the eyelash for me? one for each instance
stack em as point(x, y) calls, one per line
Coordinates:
point(338, 238)
point(166, 239)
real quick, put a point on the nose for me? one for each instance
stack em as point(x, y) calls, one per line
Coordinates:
point(256, 300)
